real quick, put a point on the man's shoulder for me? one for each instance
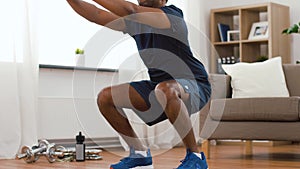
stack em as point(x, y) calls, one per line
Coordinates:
point(173, 10)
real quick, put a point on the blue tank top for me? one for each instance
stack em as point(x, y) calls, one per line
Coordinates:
point(166, 52)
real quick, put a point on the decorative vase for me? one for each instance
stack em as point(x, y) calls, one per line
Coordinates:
point(80, 60)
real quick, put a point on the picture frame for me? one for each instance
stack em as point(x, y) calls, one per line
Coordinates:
point(259, 30)
point(233, 35)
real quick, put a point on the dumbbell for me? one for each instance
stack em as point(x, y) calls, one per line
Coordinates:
point(54, 152)
point(60, 153)
point(31, 155)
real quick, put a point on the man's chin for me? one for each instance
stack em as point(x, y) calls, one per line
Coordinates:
point(146, 5)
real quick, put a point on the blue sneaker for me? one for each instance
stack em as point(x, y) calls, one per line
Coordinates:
point(134, 161)
point(192, 161)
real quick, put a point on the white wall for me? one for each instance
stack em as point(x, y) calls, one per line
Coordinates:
point(67, 103)
point(294, 17)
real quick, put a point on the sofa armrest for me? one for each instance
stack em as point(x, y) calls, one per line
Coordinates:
point(220, 89)
point(292, 72)
point(220, 85)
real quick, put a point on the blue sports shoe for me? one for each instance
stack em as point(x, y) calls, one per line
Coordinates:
point(134, 161)
point(192, 161)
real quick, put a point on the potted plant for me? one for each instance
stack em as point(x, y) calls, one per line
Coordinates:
point(79, 58)
point(262, 58)
point(79, 51)
point(293, 29)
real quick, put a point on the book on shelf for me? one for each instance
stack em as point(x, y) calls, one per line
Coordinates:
point(223, 28)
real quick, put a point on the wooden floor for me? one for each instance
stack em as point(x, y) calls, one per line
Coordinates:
point(222, 157)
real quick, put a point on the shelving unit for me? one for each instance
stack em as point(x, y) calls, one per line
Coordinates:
point(241, 18)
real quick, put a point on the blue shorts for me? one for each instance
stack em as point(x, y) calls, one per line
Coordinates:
point(199, 96)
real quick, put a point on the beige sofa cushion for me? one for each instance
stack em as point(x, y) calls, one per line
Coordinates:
point(256, 109)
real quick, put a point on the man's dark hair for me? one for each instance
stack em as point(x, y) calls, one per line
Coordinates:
point(166, 1)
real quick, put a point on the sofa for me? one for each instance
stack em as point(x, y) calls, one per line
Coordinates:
point(247, 119)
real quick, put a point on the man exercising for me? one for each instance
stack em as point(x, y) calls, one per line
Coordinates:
point(178, 85)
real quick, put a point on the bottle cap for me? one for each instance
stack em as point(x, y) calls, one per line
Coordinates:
point(80, 138)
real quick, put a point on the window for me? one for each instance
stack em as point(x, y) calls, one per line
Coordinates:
point(60, 31)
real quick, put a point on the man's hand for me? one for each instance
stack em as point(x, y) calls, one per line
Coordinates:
point(96, 15)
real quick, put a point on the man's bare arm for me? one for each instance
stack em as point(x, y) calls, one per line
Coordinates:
point(151, 16)
point(96, 15)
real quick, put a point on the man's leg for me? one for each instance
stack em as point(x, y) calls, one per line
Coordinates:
point(111, 100)
point(172, 96)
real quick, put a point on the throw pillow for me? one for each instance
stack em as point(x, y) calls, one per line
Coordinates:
point(259, 79)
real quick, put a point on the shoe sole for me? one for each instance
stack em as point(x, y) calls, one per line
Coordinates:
point(176, 168)
point(141, 167)
point(144, 167)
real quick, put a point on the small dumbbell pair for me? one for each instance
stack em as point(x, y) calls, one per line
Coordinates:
point(44, 148)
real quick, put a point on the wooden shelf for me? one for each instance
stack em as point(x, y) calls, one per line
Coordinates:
point(227, 43)
point(242, 18)
point(255, 41)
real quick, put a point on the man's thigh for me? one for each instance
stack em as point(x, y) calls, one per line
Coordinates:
point(155, 113)
point(126, 96)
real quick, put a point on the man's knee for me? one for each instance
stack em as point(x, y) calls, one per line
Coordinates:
point(166, 92)
point(104, 97)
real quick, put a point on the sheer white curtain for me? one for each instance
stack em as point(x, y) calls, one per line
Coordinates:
point(19, 75)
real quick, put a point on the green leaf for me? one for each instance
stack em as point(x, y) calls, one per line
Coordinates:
point(285, 31)
point(262, 58)
point(79, 51)
point(292, 29)
point(295, 28)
